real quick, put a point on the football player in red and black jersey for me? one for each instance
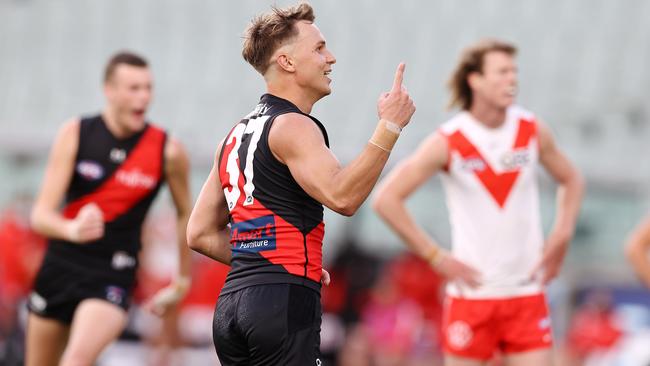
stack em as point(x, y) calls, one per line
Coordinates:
point(261, 208)
point(107, 169)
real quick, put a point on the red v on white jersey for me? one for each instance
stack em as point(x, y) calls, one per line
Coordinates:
point(499, 185)
point(493, 200)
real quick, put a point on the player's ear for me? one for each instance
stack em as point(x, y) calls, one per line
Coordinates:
point(108, 89)
point(286, 62)
point(474, 79)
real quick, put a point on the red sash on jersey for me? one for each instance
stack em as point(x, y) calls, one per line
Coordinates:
point(138, 175)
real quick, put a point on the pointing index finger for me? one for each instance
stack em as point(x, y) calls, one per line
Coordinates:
point(399, 76)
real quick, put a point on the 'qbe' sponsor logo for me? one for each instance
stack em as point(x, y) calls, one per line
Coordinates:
point(254, 235)
point(473, 164)
point(514, 160)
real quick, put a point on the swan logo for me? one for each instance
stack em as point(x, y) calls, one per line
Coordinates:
point(459, 335)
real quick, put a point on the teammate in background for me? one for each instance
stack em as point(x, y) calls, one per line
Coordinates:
point(488, 154)
point(272, 175)
point(108, 167)
point(637, 250)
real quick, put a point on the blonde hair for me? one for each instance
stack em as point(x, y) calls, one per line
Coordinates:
point(267, 32)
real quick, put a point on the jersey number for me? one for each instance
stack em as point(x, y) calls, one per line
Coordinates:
point(254, 127)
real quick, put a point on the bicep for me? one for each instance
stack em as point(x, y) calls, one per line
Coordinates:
point(301, 146)
point(314, 170)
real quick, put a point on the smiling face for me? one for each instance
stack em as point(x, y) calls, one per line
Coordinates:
point(496, 84)
point(310, 60)
point(128, 92)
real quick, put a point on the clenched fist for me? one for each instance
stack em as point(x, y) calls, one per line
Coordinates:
point(87, 226)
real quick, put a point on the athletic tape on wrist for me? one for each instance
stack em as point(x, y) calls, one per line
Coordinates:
point(385, 135)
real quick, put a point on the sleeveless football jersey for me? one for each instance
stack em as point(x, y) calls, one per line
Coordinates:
point(492, 197)
point(276, 227)
point(121, 176)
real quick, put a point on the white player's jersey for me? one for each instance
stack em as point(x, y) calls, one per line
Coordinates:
point(493, 202)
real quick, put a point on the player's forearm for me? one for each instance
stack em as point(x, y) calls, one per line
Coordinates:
point(184, 254)
point(50, 224)
point(569, 198)
point(353, 184)
point(393, 211)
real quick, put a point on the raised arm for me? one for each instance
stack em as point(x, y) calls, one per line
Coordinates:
point(46, 217)
point(297, 142)
point(207, 230)
point(569, 197)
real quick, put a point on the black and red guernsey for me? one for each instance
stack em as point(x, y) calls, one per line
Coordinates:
point(276, 227)
point(121, 176)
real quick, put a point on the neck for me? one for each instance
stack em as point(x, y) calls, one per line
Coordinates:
point(113, 124)
point(488, 115)
point(289, 90)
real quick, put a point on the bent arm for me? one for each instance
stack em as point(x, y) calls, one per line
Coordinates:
point(406, 178)
point(570, 185)
point(177, 168)
point(297, 142)
point(46, 219)
point(207, 230)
